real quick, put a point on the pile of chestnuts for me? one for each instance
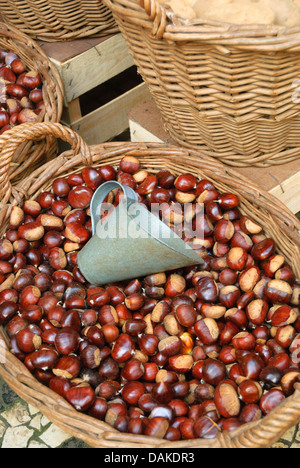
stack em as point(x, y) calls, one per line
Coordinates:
point(21, 95)
point(175, 355)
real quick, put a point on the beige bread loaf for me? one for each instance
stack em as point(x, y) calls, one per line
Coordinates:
point(280, 12)
point(183, 8)
point(237, 12)
point(287, 13)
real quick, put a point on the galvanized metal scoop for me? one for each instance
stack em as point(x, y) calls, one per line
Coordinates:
point(132, 242)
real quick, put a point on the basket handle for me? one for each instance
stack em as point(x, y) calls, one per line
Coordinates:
point(12, 139)
point(157, 15)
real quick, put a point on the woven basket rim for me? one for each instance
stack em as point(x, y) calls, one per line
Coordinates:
point(53, 93)
point(169, 26)
point(96, 433)
point(68, 21)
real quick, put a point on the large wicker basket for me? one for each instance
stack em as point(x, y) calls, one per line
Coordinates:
point(33, 153)
point(52, 20)
point(276, 219)
point(230, 91)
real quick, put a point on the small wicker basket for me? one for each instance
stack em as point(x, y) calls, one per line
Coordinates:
point(52, 20)
point(32, 153)
point(229, 91)
point(275, 218)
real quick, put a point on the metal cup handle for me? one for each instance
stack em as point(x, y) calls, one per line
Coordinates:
point(100, 195)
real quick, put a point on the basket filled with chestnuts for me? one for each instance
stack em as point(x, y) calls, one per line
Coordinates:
point(31, 90)
point(201, 356)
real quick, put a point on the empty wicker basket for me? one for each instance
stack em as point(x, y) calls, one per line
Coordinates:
point(51, 20)
point(275, 218)
point(228, 90)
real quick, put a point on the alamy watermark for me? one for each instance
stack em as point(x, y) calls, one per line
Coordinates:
point(2, 351)
point(296, 350)
point(296, 91)
point(135, 221)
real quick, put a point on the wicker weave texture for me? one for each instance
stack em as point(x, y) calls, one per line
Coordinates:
point(55, 20)
point(229, 91)
point(28, 156)
point(277, 221)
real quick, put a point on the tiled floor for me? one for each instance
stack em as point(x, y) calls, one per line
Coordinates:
point(22, 426)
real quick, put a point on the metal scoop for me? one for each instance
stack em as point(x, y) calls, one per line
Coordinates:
point(132, 242)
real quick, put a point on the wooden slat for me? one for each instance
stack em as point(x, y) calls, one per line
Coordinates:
point(111, 119)
point(74, 109)
point(145, 123)
point(94, 66)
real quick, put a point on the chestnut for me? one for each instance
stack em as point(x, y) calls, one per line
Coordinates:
point(133, 369)
point(80, 197)
point(229, 296)
point(181, 363)
point(60, 385)
point(204, 392)
point(67, 341)
point(81, 397)
point(123, 348)
point(270, 400)
point(207, 330)
point(157, 427)
point(263, 250)
point(175, 285)
point(170, 346)
point(250, 391)
point(278, 291)
point(257, 311)
point(213, 371)
point(251, 364)
point(132, 391)
point(249, 278)
point(250, 413)
point(228, 277)
point(160, 311)
point(90, 357)
point(205, 428)
point(130, 164)
point(224, 231)
point(244, 341)
point(109, 368)
point(207, 289)
point(95, 335)
point(148, 344)
point(213, 211)
point(99, 408)
point(162, 392)
point(249, 226)
point(92, 178)
point(44, 358)
point(8, 310)
point(186, 315)
point(28, 341)
point(290, 377)
point(185, 182)
point(227, 400)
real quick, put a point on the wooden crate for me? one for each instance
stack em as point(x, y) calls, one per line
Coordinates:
point(145, 123)
point(87, 67)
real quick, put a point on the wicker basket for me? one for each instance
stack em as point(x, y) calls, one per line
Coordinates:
point(230, 91)
point(31, 154)
point(54, 20)
point(276, 219)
